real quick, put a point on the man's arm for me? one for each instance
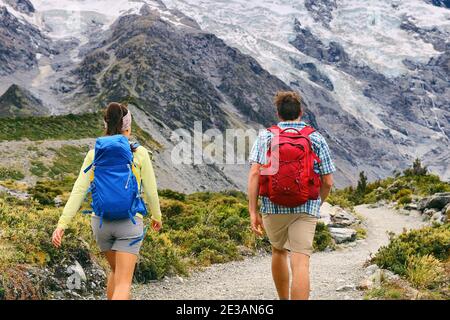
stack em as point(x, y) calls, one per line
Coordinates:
point(327, 184)
point(253, 192)
point(253, 188)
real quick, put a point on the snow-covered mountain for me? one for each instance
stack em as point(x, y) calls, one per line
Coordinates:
point(395, 52)
point(374, 74)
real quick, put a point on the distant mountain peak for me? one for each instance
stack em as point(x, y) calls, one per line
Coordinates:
point(19, 102)
point(23, 6)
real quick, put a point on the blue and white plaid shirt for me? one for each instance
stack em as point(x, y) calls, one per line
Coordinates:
point(320, 147)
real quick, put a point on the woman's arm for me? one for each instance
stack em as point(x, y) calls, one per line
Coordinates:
point(149, 185)
point(78, 193)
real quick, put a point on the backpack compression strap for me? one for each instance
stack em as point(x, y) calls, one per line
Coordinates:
point(307, 131)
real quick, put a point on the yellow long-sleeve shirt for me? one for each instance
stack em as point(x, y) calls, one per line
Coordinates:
point(145, 169)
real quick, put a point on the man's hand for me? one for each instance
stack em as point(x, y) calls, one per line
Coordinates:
point(257, 224)
point(57, 237)
point(253, 190)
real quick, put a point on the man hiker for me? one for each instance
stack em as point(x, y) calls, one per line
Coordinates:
point(292, 172)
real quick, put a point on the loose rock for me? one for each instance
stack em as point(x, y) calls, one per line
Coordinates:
point(341, 218)
point(341, 235)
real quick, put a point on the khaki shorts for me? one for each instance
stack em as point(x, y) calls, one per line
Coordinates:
point(293, 232)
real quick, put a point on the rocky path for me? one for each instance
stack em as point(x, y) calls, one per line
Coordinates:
point(251, 279)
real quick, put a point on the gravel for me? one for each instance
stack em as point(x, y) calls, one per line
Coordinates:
point(334, 275)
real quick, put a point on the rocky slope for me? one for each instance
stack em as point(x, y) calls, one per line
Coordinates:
point(19, 102)
point(374, 75)
point(379, 96)
point(21, 42)
point(179, 75)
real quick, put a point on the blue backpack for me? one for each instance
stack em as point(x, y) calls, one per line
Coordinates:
point(115, 191)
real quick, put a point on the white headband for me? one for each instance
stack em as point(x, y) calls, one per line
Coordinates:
point(126, 121)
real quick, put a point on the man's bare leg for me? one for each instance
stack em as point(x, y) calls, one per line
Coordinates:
point(300, 288)
point(280, 272)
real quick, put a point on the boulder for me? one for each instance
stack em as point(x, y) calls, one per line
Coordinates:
point(341, 235)
point(389, 275)
point(341, 218)
point(439, 217)
point(430, 212)
point(437, 201)
point(58, 201)
point(365, 284)
point(370, 270)
point(335, 216)
point(376, 278)
point(446, 210)
point(347, 287)
point(325, 216)
point(411, 206)
point(421, 205)
point(77, 276)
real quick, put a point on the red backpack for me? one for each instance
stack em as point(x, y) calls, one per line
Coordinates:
point(295, 182)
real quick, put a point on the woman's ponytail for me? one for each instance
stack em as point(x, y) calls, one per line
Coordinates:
point(114, 118)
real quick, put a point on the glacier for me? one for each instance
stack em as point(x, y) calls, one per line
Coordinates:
point(389, 39)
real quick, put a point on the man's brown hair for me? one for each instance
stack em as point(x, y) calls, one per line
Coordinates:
point(289, 105)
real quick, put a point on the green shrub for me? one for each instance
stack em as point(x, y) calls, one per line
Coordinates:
point(208, 244)
point(424, 271)
point(341, 198)
point(66, 127)
point(68, 161)
point(170, 194)
point(38, 168)
point(46, 191)
point(322, 237)
point(203, 229)
point(361, 233)
point(387, 291)
point(403, 193)
point(404, 200)
point(415, 181)
point(158, 259)
point(11, 174)
point(434, 241)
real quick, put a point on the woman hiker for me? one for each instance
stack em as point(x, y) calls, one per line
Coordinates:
point(116, 172)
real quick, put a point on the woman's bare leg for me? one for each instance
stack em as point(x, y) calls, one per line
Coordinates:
point(111, 257)
point(123, 275)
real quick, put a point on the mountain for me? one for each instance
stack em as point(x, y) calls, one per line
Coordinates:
point(178, 74)
point(374, 77)
point(21, 43)
point(19, 102)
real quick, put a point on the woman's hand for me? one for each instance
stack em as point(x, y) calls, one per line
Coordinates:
point(156, 225)
point(57, 237)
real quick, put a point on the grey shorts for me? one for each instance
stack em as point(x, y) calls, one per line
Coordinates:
point(118, 235)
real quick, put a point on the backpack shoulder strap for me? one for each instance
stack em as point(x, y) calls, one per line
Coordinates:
point(307, 131)
point(135, 145)
point(274, 129)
